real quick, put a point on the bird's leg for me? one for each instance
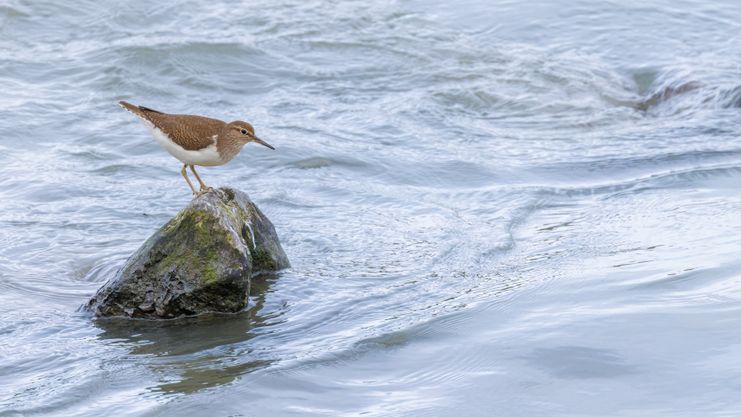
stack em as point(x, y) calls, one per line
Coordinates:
point(204, 187)
point(185, 175)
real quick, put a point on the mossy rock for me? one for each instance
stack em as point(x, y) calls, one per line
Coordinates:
point(200, 261)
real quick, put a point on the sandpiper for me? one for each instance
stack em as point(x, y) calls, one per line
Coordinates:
point(196, 140)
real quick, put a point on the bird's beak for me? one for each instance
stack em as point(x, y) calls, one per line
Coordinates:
point(262, 142)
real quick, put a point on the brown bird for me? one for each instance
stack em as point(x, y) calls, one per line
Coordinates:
point(196, 140)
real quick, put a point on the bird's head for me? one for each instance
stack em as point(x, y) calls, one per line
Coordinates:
point(244, 133)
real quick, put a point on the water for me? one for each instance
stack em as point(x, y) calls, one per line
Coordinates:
point(491, 208)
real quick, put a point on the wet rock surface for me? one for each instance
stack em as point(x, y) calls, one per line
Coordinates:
point(201, 261)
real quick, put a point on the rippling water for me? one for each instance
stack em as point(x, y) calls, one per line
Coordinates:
point(491, 208)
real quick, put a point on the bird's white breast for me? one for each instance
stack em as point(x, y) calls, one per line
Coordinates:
point(208, 156)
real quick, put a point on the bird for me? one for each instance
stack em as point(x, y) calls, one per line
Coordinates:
point(196, 140)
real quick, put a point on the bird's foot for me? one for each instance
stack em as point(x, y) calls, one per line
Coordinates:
point(203, 191)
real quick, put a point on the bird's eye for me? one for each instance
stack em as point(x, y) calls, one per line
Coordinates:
point(244, 132)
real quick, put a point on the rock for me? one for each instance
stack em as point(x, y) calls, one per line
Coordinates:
point(200, 261)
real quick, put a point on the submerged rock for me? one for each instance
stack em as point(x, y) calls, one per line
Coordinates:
point(200, 261)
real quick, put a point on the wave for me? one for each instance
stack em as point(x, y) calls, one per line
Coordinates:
point(674, 92)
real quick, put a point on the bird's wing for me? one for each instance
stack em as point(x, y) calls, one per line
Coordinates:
point(190, 132)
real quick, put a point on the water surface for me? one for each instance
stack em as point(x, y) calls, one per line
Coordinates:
point(491, 208)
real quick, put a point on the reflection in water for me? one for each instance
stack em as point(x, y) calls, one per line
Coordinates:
point(195, 353)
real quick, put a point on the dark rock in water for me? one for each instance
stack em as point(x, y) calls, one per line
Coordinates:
point(200, 261)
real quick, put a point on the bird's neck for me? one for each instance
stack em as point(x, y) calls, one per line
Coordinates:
point(228, 147)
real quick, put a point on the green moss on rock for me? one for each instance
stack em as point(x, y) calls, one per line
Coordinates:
point(262, 260)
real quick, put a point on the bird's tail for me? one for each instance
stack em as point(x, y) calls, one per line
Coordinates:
point(132, 108)
point(139, 111)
